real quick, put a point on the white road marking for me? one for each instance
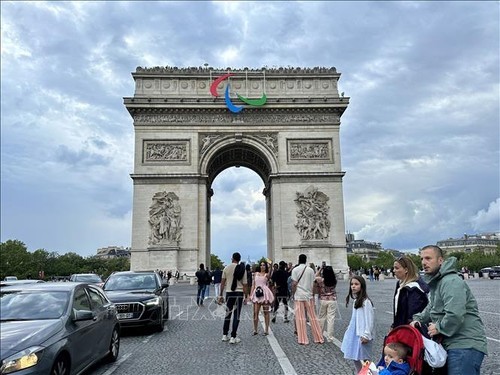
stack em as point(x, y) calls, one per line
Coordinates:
point(115, 365)
point(182, 312)
point(283, 360)
point(146, 340)
point(487, 312)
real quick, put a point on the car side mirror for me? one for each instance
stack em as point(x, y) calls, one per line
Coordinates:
point(80, 315)
point(164, 285)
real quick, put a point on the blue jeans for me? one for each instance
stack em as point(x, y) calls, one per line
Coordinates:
point(200, 296)
point(464, 361)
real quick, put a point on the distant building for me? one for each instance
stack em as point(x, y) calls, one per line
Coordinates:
point(396, 253)
point(113, 252)
point(368, 251)
point(486, 242)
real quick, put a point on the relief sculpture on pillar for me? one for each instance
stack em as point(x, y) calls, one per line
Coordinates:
point(165, 219)
point(312, 214)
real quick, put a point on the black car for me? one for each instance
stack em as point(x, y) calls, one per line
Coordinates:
point(141, 298)
point(494, 272)
point(56, 328)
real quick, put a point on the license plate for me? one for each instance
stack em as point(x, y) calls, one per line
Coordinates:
point(124, 315)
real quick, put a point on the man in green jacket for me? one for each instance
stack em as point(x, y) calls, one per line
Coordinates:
point(452, 312)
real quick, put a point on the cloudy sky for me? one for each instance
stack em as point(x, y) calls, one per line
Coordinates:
point(420, 139)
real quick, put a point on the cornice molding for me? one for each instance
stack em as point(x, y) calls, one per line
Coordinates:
point(203, 70)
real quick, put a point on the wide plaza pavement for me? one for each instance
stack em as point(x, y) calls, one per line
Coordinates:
point(191, 342)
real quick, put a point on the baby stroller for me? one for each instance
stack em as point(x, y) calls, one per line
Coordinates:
point(412, 338)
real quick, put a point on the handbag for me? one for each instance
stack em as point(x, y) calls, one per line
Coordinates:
point(435, 355)
point(259, 292)
point(296, 283)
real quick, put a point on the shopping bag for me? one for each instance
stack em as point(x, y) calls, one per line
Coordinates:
point(369, 368)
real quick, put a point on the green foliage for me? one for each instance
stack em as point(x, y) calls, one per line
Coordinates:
point(355, 262)
point(416, 259)
point(385, 259)
point(477, 260)
point(215, 262)
point(16, 260)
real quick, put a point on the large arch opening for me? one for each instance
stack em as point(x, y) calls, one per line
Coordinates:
point(238, 215)
point(238, 201)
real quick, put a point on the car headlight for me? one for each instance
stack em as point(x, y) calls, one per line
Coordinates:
point(22, 360)
point(153, 301)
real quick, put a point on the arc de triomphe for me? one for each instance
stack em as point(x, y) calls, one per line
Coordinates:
point(192, 123)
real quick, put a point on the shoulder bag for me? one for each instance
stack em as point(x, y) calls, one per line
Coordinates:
point(296, 283)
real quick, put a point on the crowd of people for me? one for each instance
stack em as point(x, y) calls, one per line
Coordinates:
point(439, 305)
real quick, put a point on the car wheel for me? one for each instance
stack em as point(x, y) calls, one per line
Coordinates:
point(161, 324)
point(492, 277)
point(114, 346)
point(61, 366)
point(167, 313)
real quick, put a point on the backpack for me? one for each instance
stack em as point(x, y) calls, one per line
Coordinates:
point(208, 278)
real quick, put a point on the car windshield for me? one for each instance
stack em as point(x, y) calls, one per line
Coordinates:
point(130, 282)
point(33, 304)
point(88, 278)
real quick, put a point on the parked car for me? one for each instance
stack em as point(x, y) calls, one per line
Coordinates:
point(90, 278)
point(141, 298)
point(422, 273)
point(56, 328)
point(10, 278)
point(20, 282)
point(494, 272)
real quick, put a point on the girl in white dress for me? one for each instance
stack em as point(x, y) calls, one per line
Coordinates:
point(358, 338)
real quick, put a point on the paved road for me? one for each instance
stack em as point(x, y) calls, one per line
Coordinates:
point(191, 342)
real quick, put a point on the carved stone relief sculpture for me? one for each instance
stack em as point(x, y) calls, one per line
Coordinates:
point(165, 151)
point(207, 140)
point(271, 141)
point(165, 219)
point(310, 150)
point(312, 214)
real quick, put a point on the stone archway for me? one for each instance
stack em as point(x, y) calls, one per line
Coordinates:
point(185, 136)
point(236, 154)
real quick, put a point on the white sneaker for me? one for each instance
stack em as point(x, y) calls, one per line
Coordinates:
point(234, 340)
point(225, 338)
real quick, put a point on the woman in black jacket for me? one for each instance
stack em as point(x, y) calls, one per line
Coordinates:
point(410, 296)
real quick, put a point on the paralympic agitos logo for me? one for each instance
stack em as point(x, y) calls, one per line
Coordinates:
point(232, 107)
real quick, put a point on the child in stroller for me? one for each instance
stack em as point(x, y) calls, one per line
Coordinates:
point(395, 355)
point(412, 339)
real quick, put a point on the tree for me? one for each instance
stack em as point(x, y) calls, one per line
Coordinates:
point(15, 260)
point(415, 258)
point(385, 259)
point(39, 262)
point(215, 262)
point(355, 262)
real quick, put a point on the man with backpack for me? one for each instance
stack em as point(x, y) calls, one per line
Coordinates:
point(234, 277)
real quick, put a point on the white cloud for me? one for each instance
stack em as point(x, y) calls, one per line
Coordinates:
point(488, 219)
point(420, 139)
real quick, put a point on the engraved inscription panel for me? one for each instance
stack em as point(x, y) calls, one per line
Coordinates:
point(310, 150)
point(166, 151)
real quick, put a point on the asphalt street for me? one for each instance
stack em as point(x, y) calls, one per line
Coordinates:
point(191, 342)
